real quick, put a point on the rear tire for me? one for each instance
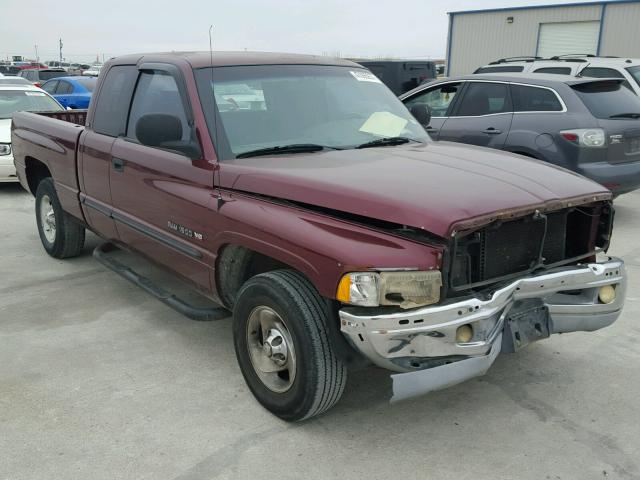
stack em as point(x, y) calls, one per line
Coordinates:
point(60, 234)
point(283, 347)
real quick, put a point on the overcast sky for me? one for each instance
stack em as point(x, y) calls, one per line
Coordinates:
point(406, 28)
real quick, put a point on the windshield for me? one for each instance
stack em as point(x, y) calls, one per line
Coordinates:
point(49, 75)
point(12, 101)
point(635, 73)
point(278, 105)
point(607, 99)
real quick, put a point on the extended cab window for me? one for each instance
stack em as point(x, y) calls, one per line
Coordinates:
point(157, 93)
point(534, 99)
point(110, 117)
point(438, 99)
point(635, 73)
point(484, 98)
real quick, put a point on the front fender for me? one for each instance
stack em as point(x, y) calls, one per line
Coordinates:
point(320, 246)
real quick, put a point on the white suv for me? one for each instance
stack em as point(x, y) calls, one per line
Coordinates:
point(576, 65)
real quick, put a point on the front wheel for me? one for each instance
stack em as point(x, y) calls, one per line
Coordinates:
point(60, 234)
point(283, 347)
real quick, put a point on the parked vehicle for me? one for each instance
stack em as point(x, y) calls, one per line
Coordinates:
point(586, 125)
point(92, 71)
point(72, 92)
point(627, 69)
point(328, 222)
point(401, 75)
point(9, 70)
point(10, 80)
point(38, 76)
point(15, 98)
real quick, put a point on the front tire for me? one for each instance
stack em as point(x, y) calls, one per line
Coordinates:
point(60, 234)
point(283, 348)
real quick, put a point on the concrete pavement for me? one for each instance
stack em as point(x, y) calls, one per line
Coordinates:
point(98, 380)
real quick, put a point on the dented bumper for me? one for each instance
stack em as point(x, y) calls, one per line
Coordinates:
point(423, 341)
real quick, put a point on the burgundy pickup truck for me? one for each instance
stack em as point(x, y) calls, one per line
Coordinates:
point(298, 193)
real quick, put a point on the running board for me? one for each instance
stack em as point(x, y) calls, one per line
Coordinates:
point(202, 314)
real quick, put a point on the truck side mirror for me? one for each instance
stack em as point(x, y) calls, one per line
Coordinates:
point(422, 114)
point(165, 131)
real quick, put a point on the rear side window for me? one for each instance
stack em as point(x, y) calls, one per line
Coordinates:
point(599, 72)
point(608, 99)
point(112, 106)
point(64, 88)
point(157, 92)
point(554, 70)
point(534, 99)
point(482, 98)
point(509, 69)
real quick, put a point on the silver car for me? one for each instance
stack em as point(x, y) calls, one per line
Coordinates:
point(588, 125)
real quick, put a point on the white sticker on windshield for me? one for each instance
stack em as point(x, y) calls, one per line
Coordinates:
point(364, 76)
point(35, 94)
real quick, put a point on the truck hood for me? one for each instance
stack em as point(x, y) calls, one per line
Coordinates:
point(5, 130)
point(438, 187)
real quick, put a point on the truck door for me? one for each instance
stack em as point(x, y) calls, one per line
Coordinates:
point(482, 116)
point(440, 100)
point(162, 190)
point(109, 121)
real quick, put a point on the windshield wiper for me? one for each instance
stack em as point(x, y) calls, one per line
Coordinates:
point(280, 149)
point(386, 141)
point(626, 115)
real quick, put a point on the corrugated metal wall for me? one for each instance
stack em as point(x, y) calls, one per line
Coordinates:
point(479, 38)
point(621, 32)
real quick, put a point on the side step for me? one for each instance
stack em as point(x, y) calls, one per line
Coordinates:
point(201, 314)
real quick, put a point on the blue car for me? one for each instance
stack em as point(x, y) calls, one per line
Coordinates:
point(72, 92)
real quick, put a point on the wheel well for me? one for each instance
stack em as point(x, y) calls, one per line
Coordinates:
point(237, 264)
point(36, 171)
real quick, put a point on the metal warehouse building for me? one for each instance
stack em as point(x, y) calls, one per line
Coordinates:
point(478, 37)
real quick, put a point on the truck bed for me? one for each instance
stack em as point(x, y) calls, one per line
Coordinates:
point(50, 139)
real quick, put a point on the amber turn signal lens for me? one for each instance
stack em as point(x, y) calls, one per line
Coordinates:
point(607, 294)
point(464, 334)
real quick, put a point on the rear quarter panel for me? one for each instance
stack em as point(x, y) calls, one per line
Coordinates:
point(53, 142)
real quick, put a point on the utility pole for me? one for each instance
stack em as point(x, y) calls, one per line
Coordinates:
point(37, 57)
point(60, 41)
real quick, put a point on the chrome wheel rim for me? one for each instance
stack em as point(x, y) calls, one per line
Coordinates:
point(47, 219)
point(271, 349)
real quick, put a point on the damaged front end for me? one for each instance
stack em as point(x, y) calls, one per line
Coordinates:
point(505, 284)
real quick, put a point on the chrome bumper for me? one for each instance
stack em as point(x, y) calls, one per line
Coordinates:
point(406, 341)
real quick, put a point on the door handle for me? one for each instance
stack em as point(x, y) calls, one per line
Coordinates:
point(117, 164)
point(492, 131)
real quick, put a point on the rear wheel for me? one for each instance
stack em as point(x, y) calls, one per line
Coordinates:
point(283, 347)
point(60, 234)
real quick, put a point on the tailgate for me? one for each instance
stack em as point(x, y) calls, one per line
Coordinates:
point(623, 140)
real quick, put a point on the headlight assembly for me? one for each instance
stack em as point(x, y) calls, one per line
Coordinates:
point(406, 289)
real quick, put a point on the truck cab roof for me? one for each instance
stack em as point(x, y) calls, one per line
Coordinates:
point(225, 59)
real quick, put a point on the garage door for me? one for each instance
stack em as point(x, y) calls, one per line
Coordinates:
point(570, 37)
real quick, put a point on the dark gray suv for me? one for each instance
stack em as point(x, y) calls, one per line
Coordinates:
point(590, 126)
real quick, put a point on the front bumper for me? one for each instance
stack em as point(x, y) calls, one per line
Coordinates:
point(423, 341)
point(7, 169)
